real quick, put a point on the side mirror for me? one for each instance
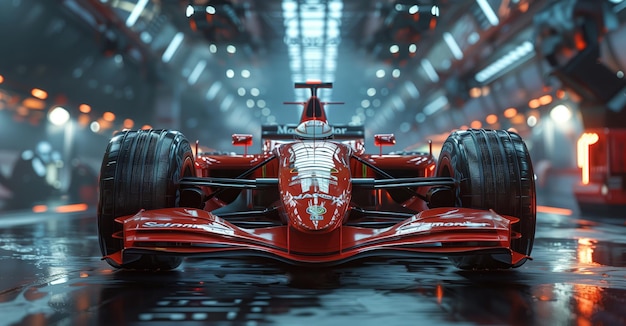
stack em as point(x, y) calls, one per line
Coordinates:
point(381, 140)
point(242, 140)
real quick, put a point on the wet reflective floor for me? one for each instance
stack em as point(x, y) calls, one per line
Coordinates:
point(51, 274)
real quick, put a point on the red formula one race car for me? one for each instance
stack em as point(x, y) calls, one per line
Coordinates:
point(314, 197)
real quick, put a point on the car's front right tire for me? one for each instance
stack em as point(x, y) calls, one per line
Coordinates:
point(494, 171)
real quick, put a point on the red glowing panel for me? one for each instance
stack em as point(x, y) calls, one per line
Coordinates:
point(586, 140)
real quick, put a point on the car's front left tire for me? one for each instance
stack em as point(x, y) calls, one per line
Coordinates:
point(141, 169)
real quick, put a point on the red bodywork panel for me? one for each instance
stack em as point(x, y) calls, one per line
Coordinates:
point(198, 232)
point(314, 184)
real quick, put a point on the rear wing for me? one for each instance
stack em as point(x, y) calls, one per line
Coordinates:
point(313, 86)
point(284, 132)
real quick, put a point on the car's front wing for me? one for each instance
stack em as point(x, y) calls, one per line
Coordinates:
point(194, 232)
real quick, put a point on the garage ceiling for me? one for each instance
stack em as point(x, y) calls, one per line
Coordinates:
point(212, 68)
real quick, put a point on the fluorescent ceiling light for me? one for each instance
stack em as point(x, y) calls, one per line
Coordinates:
point(488, 11)
point(136, 12)
point(398, 103)
point(435, 105)
point(197, 70)
point(454, 47)
point(430, 70)
point(213, 90)
point(411, 89)
point(172, 47)
point(227, 102)
point(512, 59)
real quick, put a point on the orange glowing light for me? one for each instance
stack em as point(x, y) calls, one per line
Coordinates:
point(523, 7)
point(34, 103)
point(554, 210)
point(475, 92)
point(544, 298)
point(104, 124)
point(22, 111)
point(433, 23)
point(588, 303)
point(585, 250)
point(84, 120)
point(193, 25)
point(40, 208)
point(546, 99)
point(476, 124)
point(108, 116)
point(579, 40)
point(84, 108)
point(128, 123)
point(560, 94)
point(39, 93)
point(1, 79)
point(84, 275)
point(146, 127)
point(510, 113)
point(534, 103)
point(72, 208)
point(439, 291)
point(491, 119)
point(584, 142)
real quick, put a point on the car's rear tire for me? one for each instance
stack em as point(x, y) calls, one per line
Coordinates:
point(494, 171)
point(140, 170)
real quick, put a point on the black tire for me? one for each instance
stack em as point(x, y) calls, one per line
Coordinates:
point(494, 171)
point(140, 170)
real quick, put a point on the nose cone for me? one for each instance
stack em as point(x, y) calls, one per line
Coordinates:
point(314, 182)
point(317, 214)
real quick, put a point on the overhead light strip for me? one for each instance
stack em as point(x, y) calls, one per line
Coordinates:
point(136, 12)
point(227, 102)
point(488, 11)
point(172, 47)
point(398, 103)
point(195, 73)
point(430, 70)
point(213, 90)
point(435, 105)
point(412, 89)
point(454, 47)
point(512, 59)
